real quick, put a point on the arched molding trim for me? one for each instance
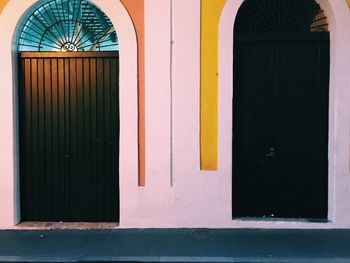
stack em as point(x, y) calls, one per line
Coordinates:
point(10, 21)
point(3, 4)
point(332, 28)
point(136, 10)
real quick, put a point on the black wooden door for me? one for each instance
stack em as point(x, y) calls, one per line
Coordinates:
point(69, 136)
point(280, 130)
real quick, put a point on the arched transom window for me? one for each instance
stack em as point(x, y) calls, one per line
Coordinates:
point(67, 25)
point(256, 16)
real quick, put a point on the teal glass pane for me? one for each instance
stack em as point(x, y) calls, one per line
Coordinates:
point(67, 26)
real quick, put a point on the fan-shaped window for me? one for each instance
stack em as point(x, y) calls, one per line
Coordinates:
point(256, 16)
point(68, 25)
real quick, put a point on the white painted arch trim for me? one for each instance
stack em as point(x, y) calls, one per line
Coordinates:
point(338, 16)
point(9, 174)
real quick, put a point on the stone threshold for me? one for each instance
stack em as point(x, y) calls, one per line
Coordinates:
point(65, 225)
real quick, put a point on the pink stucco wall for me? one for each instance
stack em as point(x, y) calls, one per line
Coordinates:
point(195, 198)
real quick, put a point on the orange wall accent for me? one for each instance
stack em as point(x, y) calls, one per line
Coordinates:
point(136, 9)
point(3, 4)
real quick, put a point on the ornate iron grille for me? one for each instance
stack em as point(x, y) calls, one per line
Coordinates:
point(68, 25)
point(258, 16)
point(319, 24)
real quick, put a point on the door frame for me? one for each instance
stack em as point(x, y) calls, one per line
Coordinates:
point(225, 106)
point(11, 20)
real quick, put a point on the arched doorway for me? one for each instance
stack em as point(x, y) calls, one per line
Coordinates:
point(280, 129)
point(69, 114)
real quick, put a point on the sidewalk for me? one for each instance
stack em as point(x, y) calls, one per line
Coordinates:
point(183, 245)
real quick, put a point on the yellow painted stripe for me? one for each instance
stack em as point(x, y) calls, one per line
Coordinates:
point(3, 3)
point(210, 18)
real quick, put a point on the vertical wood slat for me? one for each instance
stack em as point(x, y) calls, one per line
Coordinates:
point(80, 197)
point(100, 132)
point(61, 172)
point(34, 190)
point(93, 129)
point(66, 214)
point(47, 136)
point(107, 131)
point(26, 128)
point(41, 137)
point(55, 139)
point(70, 131)
point(114, 135)
point(74, 177)
point(87, 129)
